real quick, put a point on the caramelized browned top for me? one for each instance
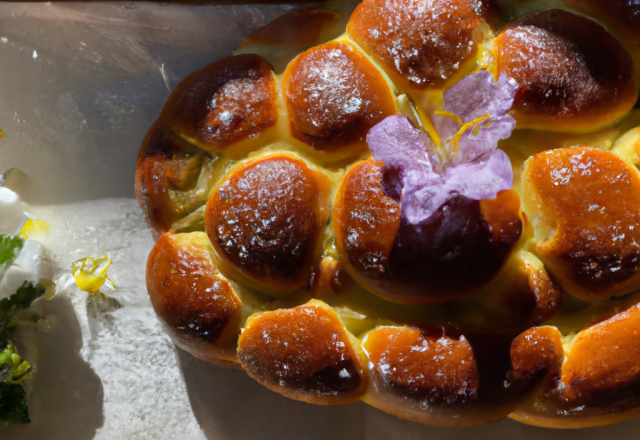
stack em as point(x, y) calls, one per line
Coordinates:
point(185, 288)
point(603, 363)
point(225, 102)
point(265, 218)
point(421, 264)
point(365, 220)
point(166, 162)
point(334, 96)
point(304, 349)
point(572, 74)
point(425, 41)
point(441, 369)
point(591, 200)
point(457, 251)
point(537, 350)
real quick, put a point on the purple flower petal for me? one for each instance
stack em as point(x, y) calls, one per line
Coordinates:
point(399, 144)
point(403, 148)
point(480, 180)
point(474, 96)
point(477, 94)
point(422, 196)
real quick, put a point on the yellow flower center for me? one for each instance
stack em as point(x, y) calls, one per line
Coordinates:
point(474, 124)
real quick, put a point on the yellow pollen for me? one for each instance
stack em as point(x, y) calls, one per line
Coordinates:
point(466, 127)
point(428, 127)
point(449, 115)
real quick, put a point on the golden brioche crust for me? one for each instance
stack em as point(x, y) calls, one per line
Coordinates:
point(425, 43)
point(265, 219)
point(603, 362)
point(364, 212)
point(547, 294)
point(172, 177)
point(537, 350)
point(589, 201)
point(437, 368)
point(524, 294)
point(335, 96)
point(572, 74)
point(188, 294)
point(221, 104)
point(586, 379)
point(621, 15)
point(305, 353)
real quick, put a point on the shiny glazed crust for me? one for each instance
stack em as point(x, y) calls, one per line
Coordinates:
point(367, 221)
point(573, 74)
point(354, 98)
point(282, 250)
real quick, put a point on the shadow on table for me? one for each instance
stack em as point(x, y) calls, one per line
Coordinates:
point(65, 396)
point(229, 405)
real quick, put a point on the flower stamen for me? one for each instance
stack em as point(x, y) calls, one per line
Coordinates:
point(466, 127)
point(449, 115)
point(427, 127)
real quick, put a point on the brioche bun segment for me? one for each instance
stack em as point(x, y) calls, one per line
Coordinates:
point(182, 280)
point(573, 75)
point(585, 205)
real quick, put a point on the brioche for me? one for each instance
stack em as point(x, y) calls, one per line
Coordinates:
point(335, 220)
point(573, 74)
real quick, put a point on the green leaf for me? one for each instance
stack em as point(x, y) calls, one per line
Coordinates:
point(9, 307)
point(13, 404)
point(9, 248)
point(23, 297)
point(13, 370)
point(6, 330)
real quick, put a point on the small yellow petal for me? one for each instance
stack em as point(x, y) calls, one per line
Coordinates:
point(34, 228)
point(90, 274)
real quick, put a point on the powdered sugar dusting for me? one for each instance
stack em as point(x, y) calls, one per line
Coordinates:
point(426, 41)
point(333, 87)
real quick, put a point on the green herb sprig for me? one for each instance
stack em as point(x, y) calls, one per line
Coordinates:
point(14, 371)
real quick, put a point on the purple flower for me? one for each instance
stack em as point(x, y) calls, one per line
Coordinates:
point(467, 161)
